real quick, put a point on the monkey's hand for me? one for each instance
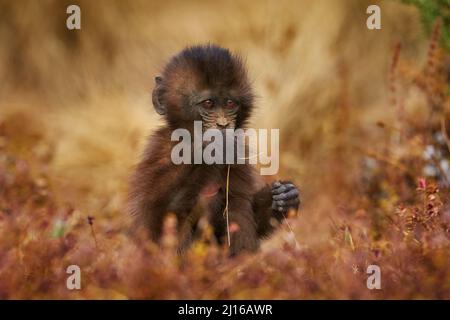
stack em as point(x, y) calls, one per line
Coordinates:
point(285, 196)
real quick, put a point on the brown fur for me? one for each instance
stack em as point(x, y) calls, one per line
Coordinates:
point(159, 186)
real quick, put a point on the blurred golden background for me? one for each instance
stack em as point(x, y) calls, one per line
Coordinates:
point(75, 105)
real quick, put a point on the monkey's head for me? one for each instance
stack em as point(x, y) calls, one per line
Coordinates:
point(204, 83)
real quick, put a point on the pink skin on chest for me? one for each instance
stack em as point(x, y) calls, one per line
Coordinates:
point(210, 190)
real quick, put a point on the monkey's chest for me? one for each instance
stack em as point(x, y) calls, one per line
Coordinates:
point(200, 203)
point(184, 199)
point(210, 194)
point(209, 191)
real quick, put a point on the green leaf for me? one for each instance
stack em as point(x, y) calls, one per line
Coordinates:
point(58, 230)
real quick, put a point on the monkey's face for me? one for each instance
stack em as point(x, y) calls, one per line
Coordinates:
point(205, 83)
point(216, 111)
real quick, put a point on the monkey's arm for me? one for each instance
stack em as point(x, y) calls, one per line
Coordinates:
point(272, 202)
point(152, 184)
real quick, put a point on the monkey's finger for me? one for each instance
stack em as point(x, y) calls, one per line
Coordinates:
point(276, 184)
point(283, 188)
point(291, 194)
point(278, 208)
point(288, 203)
point(292, 203)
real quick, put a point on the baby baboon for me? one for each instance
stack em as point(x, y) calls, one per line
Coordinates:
point(208, 84)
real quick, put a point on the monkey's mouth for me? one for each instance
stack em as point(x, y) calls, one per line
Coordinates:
point(224, 135)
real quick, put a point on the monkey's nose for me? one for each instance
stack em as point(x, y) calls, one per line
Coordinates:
point(222, 122)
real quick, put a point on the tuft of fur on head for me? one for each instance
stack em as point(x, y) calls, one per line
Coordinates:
point(203, 67)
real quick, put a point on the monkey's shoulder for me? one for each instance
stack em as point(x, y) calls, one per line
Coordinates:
point(158, 147)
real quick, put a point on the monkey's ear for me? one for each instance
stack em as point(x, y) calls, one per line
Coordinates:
point(156, 97)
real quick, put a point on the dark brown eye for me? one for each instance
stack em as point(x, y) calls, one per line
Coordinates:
point(231, 104)
point(208, 104)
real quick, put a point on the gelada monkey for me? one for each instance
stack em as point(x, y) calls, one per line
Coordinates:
point(209, 84)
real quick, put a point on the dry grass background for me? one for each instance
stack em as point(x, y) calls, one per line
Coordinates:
point(75, 110)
